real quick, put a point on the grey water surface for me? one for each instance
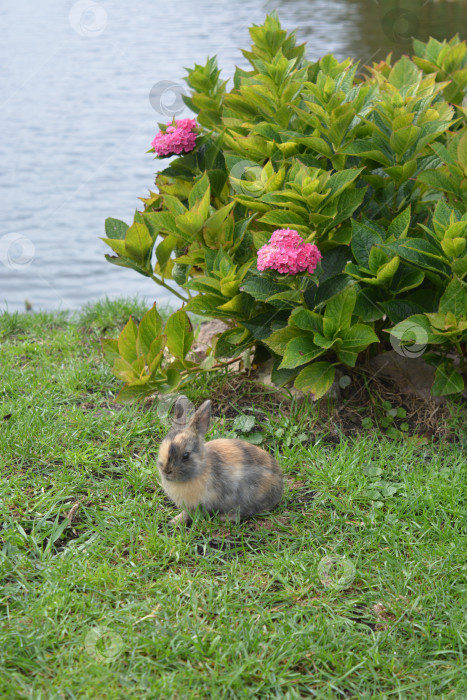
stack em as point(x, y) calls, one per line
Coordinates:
point(76, 119)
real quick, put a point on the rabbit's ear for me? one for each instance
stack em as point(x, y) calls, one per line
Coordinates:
point(200, 421)
point(180, 416)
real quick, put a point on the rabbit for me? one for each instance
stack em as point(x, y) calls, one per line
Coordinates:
point(230, 477)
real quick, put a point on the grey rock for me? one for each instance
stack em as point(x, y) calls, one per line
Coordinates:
point(412, 376)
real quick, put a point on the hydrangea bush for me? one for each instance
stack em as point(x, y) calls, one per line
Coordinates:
point(319, 211)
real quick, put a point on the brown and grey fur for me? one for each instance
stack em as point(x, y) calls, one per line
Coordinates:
point(229, 477)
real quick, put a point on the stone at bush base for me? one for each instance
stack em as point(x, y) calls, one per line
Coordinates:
point(412, 376)
point(206, 333)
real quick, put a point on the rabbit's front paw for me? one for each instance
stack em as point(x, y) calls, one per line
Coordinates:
point(182, 517)
point(232, 517)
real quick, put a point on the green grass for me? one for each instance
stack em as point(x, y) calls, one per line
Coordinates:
point(213, 610)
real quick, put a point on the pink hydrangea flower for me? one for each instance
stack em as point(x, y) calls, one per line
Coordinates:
point(288, 253)
point(286, 238)
point(177, 138)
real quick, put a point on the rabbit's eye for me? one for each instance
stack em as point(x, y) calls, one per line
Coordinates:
point(185, 455)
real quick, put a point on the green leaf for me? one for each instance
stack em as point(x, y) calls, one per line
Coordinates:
point(149, 328)
point(205, 284)
point(453, 247)
point(333, 262)
point(232, 342)
point(404, 74)
point(115, 229)
point(441, 218)
point(461, 150)
point(406, 278)
point(284, 219)
point(155, 353)
point(377, 259)
point(135, 392)
point(399, 309)
point(241, 305)
point(358, 337)
point(364, 236)
point(281, 377)
point(110, 349)
point(261, 288)
point(179, 273)
point(316, 297)
point(127, 341)
point(347, 202)
point(279, 340)
point(423, 253)
point(340, 181)
point(217, 178)
point(323, 342)
point(260, 325)
point(348, 357)
point(459, 267)
point(117, 245)
point(164, 251)
point(400, 225)
point(199, 190)
point(365, 149)
point(244, 423)
point(447, 380)
point(316, 379)
point(306, 320)
point(438, 180)
point(367, 306)
point(127, 371)
point(403, 139)
point(338, 312)
point(204, 304)
point(174, 206)
point(126, 262)
point(179, 332)
point(402, 173)
point(316, 144)
point(215, 223)
point(291, 297)
point(386, 272)
point(339, 128)
point(254, 438)
point(138, 241)
point(161, 221)
point(414, 331)
point(454, 299)
point(299, 351)
point(192, 221)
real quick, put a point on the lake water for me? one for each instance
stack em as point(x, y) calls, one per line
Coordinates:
point(76, 119)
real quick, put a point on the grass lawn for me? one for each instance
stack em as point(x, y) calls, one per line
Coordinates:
point(354, 587)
